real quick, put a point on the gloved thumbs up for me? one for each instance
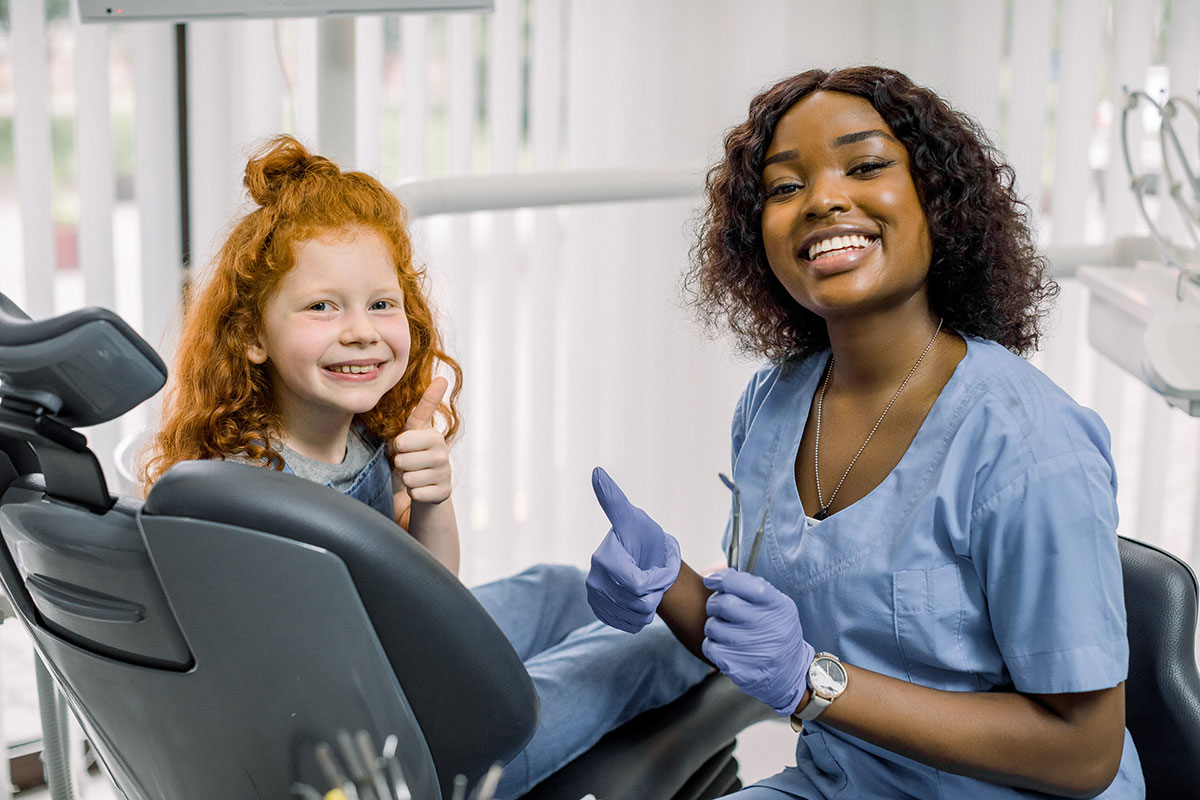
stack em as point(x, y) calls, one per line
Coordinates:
point(634, 564)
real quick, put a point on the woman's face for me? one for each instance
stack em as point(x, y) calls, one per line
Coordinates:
point(842, 224)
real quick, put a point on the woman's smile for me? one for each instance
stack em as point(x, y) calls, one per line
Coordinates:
point(842, 224)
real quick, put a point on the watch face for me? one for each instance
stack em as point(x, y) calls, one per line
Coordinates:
point(827, 677)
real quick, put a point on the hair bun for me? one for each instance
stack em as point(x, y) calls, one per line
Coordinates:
point(281, 164)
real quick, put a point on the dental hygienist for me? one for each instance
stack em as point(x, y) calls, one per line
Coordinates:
point(937, 601)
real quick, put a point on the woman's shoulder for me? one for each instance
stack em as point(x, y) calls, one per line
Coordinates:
point(785, 375)
point(1016, 418)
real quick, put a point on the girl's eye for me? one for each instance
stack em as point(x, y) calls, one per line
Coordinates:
point(320, 305)
point(870, 167)
point(382, 305)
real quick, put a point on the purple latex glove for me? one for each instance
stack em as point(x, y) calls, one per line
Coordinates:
point(753, 635)
point(634, 565)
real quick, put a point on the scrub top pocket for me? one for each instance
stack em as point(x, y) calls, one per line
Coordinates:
point(928, 610)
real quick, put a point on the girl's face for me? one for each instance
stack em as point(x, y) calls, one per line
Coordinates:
point(842, 224)
point(334, 331)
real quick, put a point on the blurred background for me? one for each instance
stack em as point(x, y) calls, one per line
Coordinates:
point(122, 148)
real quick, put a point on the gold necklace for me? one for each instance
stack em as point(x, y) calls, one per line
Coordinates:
point(824, 507)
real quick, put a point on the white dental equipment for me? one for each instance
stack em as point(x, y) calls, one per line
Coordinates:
point(1147, 319)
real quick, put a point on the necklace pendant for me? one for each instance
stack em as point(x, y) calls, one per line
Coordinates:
point(822, 514)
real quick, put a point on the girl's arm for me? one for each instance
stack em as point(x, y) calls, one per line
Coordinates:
point(434, 525)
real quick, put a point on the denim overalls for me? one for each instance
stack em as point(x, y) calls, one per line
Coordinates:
point(373, 484)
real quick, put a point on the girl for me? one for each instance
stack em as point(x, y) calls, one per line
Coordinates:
point(936, 516)
point(311, 349)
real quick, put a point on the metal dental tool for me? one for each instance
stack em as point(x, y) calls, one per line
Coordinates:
point(486, 789)
point(366, 749)
point(733, 553)
point(399, 786)
point(327, 761)
point(354, 764)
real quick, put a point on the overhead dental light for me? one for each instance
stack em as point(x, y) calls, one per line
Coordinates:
point(1147, 319)
point(191, 10)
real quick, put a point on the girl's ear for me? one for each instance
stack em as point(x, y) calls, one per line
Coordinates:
point(256, 352)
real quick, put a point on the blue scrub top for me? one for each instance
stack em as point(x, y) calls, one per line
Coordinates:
point(986, 559)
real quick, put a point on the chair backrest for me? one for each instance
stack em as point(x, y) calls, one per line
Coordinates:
point(211, 637)
point(1162, 693)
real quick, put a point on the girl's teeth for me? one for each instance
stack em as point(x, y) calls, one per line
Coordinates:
point(852, 242)
point(352, 369)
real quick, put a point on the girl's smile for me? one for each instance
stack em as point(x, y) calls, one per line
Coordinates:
point(335, 335)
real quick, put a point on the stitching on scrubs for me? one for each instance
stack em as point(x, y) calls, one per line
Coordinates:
point(1054, 465)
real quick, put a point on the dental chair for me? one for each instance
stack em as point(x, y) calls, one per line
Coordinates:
point(212, 638)
point(1162, 693)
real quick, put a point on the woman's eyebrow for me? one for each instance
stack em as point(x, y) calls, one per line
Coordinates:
point(844, 139)
point(851, 138)
point(782, 155)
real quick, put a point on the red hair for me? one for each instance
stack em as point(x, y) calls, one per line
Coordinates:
point(220, 403)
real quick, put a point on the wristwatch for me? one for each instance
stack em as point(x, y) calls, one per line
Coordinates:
point(827, 679)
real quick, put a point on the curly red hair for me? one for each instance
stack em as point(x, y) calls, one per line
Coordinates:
point(220, 403)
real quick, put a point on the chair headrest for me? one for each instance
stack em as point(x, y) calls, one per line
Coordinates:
point(83, 367)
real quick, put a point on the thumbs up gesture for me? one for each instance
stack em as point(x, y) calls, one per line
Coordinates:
point(634, 565)
point(422, 455)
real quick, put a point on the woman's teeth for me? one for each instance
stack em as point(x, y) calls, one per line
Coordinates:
point(852, 242)
point(353, 369)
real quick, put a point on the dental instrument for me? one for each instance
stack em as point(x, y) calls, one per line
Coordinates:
point(733, 552)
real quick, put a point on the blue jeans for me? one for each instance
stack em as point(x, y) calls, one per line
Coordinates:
point(590, 677)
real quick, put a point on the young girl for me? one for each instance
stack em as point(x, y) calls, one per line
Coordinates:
point(936, 600)
point(311, 349)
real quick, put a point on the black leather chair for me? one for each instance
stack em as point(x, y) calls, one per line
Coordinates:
point(210, 637)
point(1162, 693)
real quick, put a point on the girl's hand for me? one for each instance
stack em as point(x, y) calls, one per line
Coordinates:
point(422, 455)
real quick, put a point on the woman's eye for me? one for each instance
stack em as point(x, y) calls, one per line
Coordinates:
point(869, 167)
point(783, 189)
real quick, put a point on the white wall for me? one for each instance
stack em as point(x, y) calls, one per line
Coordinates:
point(568, 322)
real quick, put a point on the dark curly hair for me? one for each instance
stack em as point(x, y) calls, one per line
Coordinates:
point(986, 277)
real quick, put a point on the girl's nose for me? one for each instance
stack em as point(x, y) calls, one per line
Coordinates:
point(359, 330)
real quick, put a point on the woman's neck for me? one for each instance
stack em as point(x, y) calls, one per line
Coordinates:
point(875, 352)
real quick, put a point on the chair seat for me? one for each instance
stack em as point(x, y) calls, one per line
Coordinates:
point(687, 743)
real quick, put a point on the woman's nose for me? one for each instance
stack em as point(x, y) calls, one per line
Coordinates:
point(826, 196)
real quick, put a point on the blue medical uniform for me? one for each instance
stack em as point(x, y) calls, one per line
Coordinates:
point(987, 559)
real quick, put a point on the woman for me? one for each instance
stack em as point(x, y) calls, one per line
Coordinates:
point(936, 515)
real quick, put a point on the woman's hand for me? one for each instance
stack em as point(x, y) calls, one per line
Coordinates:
point(422, 455)
point(754, 636)
point(634, 564)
